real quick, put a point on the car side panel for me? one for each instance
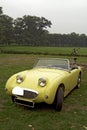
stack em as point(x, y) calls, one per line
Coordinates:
point(72, 80)
point(69, 81)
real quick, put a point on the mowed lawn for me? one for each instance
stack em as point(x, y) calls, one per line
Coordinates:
point(43, 50)
point(43, 117)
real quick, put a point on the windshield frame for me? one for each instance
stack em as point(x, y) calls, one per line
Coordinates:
point(53, 63)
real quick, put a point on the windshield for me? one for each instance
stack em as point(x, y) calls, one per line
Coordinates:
point(56, 63)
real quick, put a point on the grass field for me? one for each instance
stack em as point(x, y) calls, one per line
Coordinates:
point(43, 50)
point(12, 117)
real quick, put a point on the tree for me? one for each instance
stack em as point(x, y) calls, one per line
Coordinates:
point(1, 12)
point(30, 29)
point(1, 29)
point(6, 29)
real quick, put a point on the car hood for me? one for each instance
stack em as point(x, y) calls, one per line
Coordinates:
point(31, 78)
point(34, 74)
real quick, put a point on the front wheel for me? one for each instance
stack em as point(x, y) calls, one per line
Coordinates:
point(59, 99)
point(13, 99)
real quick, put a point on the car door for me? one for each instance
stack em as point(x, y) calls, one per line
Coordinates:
point(71, 80)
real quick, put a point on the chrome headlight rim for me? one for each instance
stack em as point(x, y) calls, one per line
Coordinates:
point(42, 82)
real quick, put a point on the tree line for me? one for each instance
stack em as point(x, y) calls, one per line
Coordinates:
point(33, 31)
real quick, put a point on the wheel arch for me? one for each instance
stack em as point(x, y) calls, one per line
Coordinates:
point(80, 73)
point(62, 86)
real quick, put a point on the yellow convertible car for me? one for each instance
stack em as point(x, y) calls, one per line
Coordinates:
point(50, 80)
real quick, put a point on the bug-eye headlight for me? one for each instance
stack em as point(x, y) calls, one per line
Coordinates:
point(19, 79)
point(42, 82)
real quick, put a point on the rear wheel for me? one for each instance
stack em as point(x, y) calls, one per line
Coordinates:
point(59, 99)
point(79, 81)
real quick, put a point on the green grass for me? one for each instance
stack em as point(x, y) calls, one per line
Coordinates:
point(12, 117)
point(42, 50)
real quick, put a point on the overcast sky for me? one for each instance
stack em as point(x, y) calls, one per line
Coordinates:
point(66, 15)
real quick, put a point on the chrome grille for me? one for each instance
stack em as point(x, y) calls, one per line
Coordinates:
point(29, 94)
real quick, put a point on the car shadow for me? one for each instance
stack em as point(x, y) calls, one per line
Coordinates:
point(38, 107)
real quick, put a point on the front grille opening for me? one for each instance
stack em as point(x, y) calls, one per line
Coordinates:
point(29, 94)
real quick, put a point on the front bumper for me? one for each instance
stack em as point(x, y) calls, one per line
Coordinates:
point(24, 96)
point(28, 97)
point(23, 102)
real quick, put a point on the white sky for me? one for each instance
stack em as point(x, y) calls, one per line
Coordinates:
point(66, 15)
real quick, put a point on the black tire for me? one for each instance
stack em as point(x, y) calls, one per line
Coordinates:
point(13, 99)
point(78, 81)
point(59, 99)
